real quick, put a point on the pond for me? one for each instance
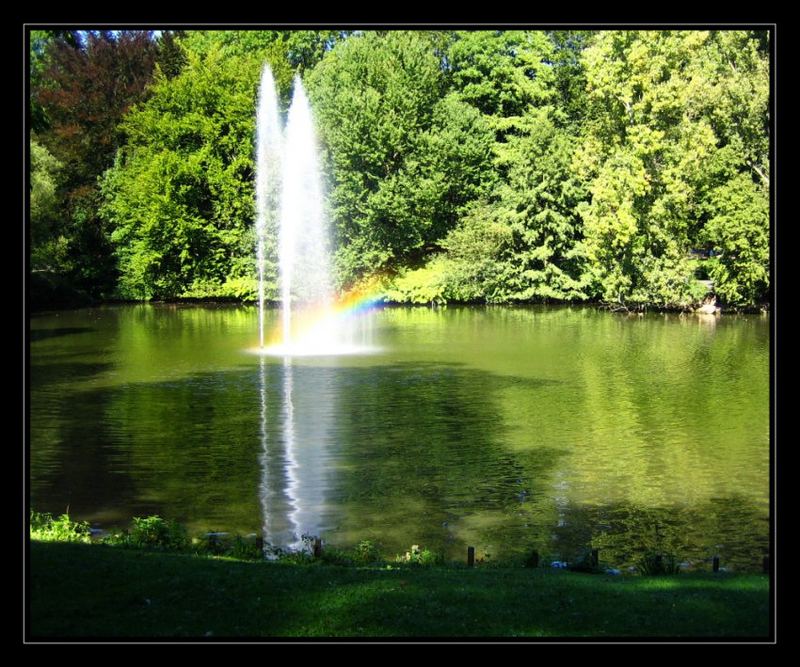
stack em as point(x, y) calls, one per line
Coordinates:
point(507, 429)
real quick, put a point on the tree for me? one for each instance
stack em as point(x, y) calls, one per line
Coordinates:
point(404, 158)
point(502, 73)
point(522, 242)
point(86, 91)
point(84, 87)
point(180, 196)
point(289, 51)
point(171, 55)
point(668, 116)
point(735, 196)
point(569, 73)
point(738, 232)
point(480, 165)
point(46, 241)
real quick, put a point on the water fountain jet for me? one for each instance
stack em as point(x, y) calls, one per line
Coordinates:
point(289, 191)
point(268, 175)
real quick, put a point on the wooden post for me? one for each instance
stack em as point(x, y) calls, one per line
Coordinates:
point(595, 557)
point(715, 564)
point(533, 559)
point(260, 543)
point(470, 556)
point(317, 547)
point(766, 564)
point(659, 561)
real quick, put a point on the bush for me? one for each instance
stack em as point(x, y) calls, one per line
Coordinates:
point(417, 556)
point(62, 529)
point(237, 546)
point(657, 564)
point(366, 552)
point(420, 286)
point(153, 532)
point(239, 289)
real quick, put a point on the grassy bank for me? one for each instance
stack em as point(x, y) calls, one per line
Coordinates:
point(94, 591)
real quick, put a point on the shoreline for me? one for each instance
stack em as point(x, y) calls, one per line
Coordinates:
point(765, 308)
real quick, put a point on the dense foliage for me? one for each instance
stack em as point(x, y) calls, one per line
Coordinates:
point(491, 166)
point(47, 528)
point(405, 156)
point(180, 196)
point(83, 85)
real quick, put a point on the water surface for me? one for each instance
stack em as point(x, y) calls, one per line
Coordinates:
point(509, 429)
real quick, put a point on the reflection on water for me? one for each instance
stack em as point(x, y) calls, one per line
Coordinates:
point(295, 454)
point(501, 428)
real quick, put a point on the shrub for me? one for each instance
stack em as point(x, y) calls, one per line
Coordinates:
point(417, 556)
point(419, 286)
point(657, 564)
point(366, 552)
point(153, 532)
point(62, 529)
point(223, 545)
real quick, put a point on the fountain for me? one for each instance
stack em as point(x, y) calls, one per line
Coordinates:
point(268, 162)
point(289, 197)
point(304, 245)
point(296, 422)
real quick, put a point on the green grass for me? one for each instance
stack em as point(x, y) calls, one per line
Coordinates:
point(91, 591)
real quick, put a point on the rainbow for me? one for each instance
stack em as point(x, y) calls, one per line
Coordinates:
point(313, 324)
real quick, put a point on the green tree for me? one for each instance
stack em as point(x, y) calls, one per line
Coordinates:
point(667, 112)
point(475, 264)
point(404, 158)
point(735, 196)
point(171, 56)
point(47, 243)
point(502, 73)
point(569, 72)
point(738, 231)
point(523, 241)
point(289, 51)
point(180, 196)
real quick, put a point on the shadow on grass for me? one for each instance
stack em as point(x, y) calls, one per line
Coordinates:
point(92, 591)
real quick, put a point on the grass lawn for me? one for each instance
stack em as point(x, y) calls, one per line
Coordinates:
point(92, 591)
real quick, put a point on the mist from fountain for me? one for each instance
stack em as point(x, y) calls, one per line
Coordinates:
point(290, 201)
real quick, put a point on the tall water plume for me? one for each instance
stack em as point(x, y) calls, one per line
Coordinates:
point(268, 178)
point(290, 205)
point(304, 244)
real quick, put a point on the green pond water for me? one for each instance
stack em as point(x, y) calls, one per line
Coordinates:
point(508, 429)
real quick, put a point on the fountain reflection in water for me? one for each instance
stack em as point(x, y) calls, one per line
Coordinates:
point(296, 451)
